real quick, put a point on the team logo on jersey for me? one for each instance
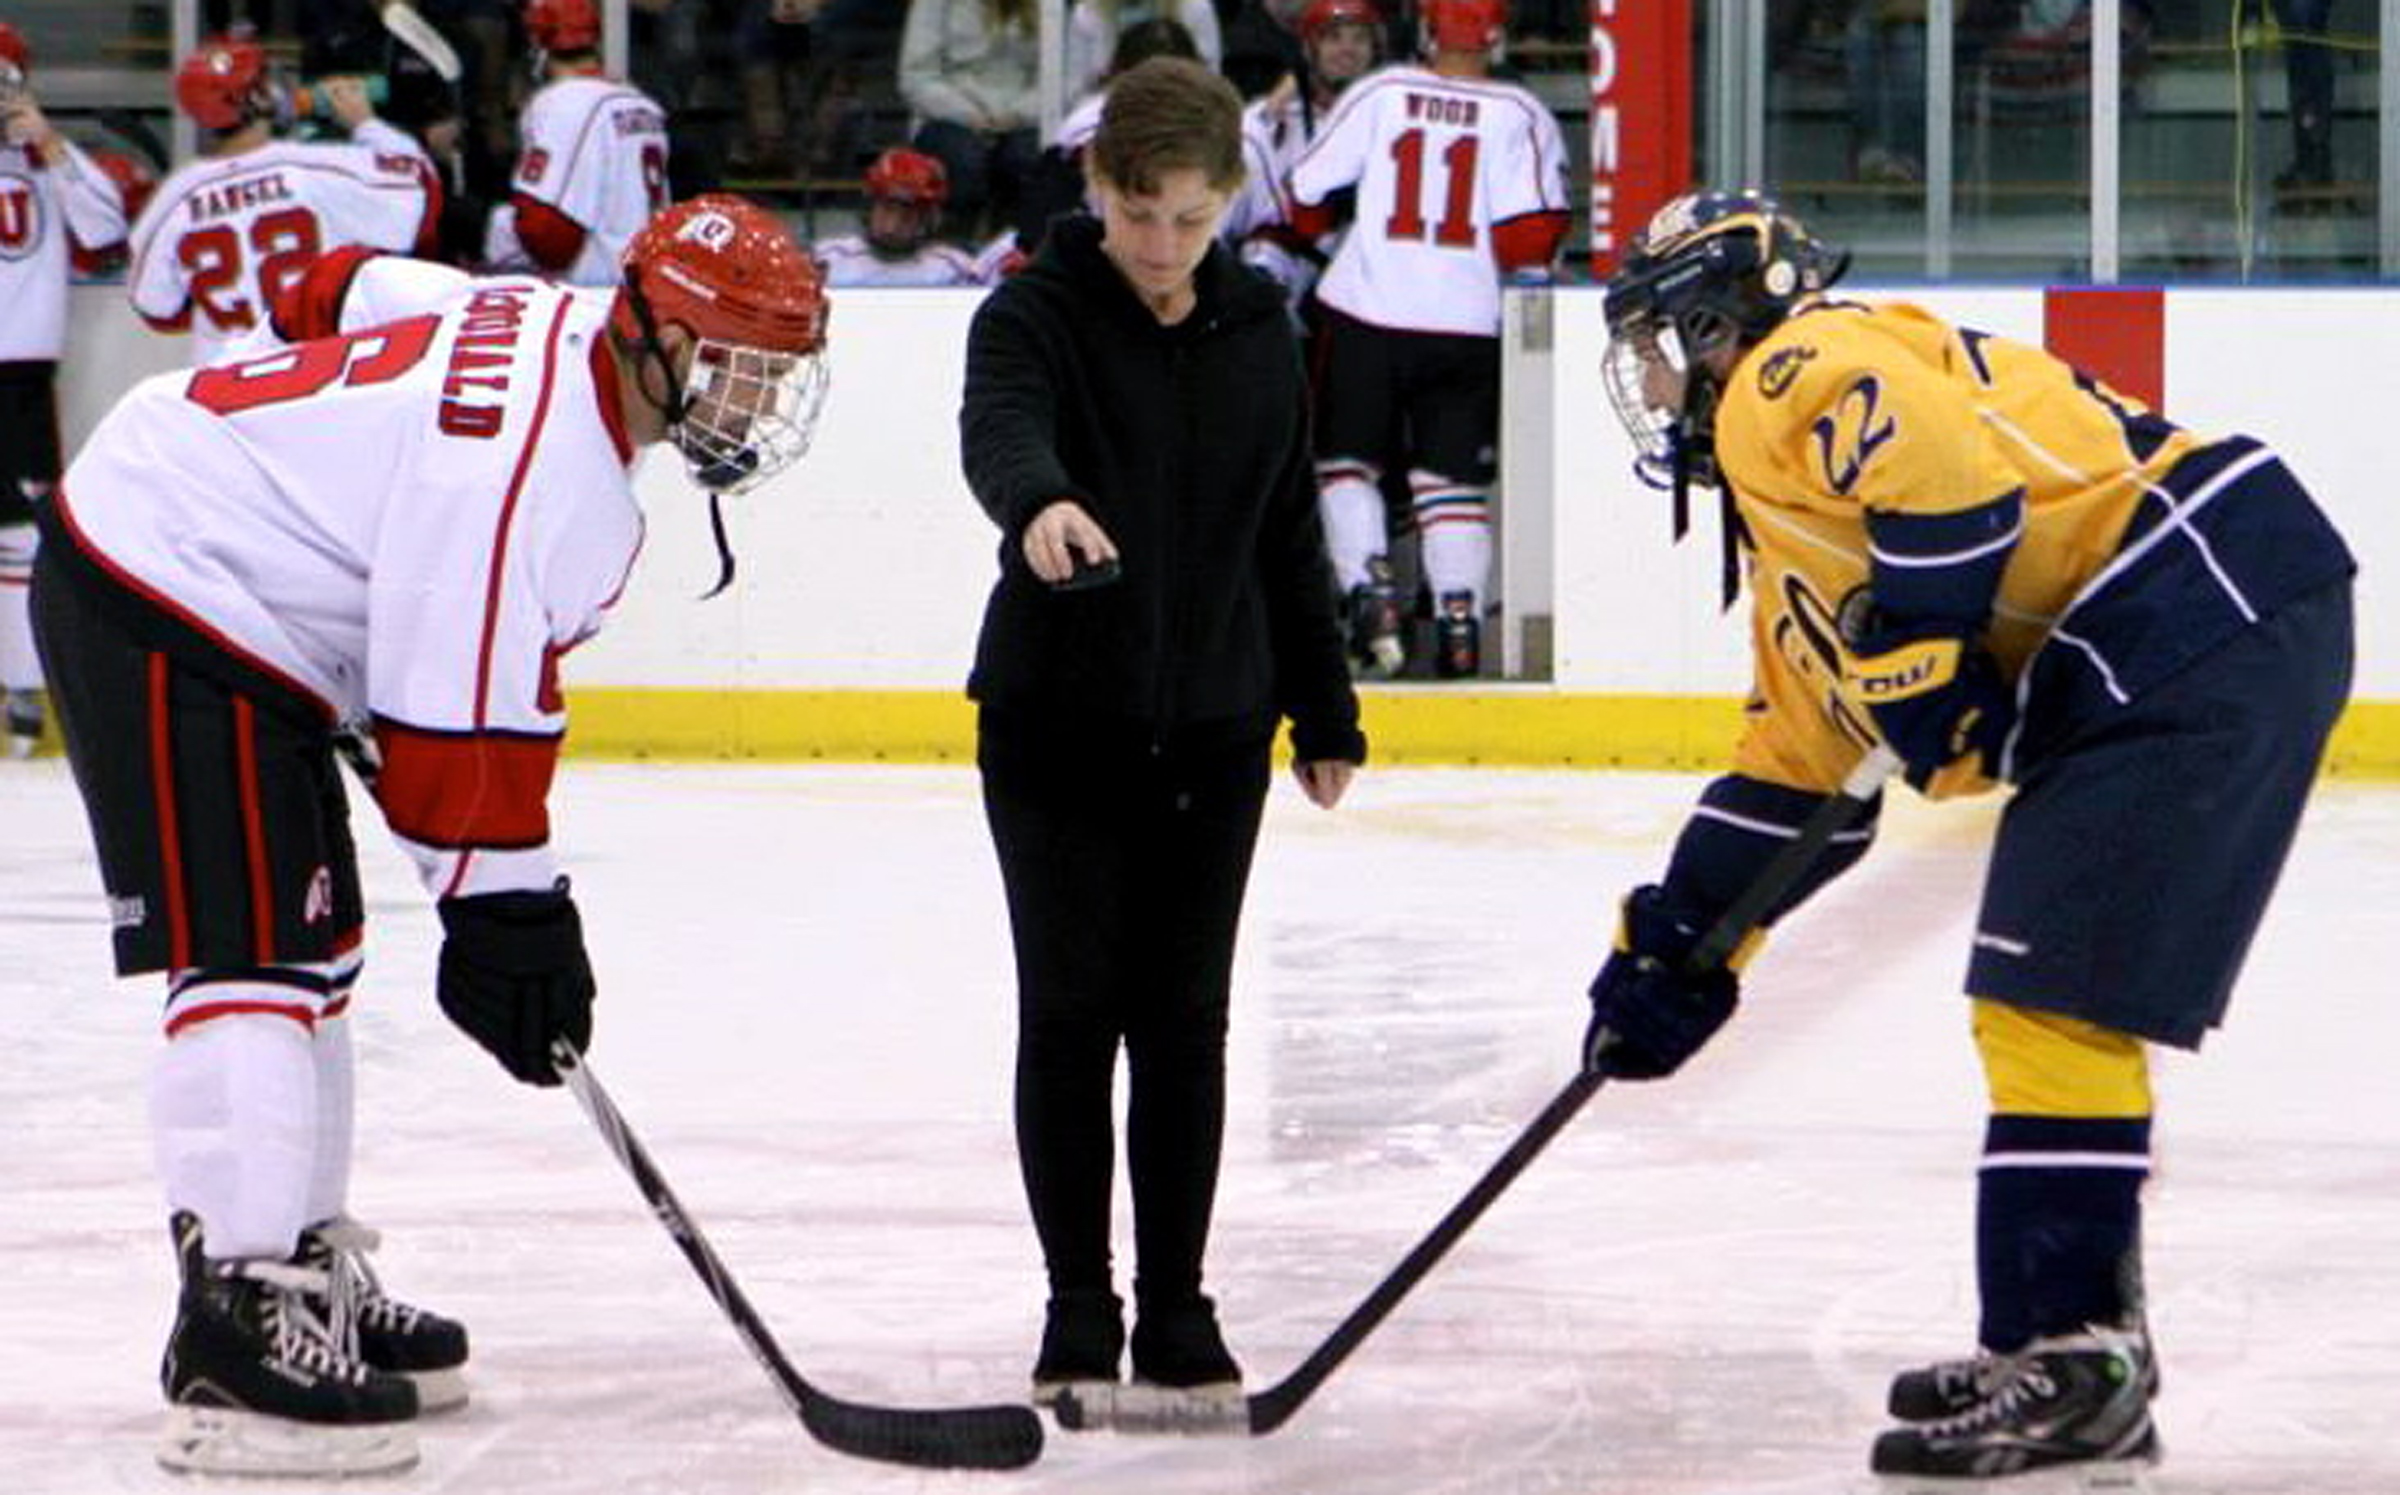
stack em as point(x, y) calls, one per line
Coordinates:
point(20, 217)
point(708, 230)
point(317, 905)
point(1782, 368)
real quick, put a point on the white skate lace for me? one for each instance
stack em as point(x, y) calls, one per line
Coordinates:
point(302, 1336)
point(357, 1297)
point(2028, 1387)
point(1980, 1374)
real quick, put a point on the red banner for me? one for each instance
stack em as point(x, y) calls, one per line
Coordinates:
point(1641, 116)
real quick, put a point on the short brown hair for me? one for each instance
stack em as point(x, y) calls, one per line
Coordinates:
point(1167, 114)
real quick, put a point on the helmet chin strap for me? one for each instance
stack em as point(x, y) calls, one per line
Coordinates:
point(715, 473)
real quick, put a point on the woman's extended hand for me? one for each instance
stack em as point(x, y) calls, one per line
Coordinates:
point(1061, 532)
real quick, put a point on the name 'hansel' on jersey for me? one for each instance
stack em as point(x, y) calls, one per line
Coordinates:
point(407, 522)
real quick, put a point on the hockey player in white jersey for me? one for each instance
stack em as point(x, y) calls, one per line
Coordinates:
point(591, 158)
point(1340, 41)
point(53, 199)
point(906, 190)
point(408, 523)
point(1461, 182)
point(226, 233)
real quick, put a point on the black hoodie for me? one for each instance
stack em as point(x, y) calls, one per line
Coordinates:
point(1189, 444)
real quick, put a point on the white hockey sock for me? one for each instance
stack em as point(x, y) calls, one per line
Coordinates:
point(1455, 536)
point(1354, 522)
point(233, 1117)
point(337, 1088)
point(20, 667)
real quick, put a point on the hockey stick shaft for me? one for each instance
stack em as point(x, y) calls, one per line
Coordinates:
point(418, 35)
point(1265, 1411)
point(994, 1437)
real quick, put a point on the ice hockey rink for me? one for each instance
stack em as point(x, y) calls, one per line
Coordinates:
point(805, 1014)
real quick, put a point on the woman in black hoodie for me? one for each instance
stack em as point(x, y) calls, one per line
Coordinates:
point(1135, 423)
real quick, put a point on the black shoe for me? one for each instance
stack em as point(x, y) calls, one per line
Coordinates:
point(22, 710)
point(1083, 1335)
point(258, 1381)
point(1177, 1343)
point(1458, 638)
point(392, 1336)
point(2078, 1399)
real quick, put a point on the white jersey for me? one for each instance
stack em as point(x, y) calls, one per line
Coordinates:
point(45, 199)
point(596, 151)
point(409, 522)
point(851, 261)
point(225, 235)
point(1438, 162)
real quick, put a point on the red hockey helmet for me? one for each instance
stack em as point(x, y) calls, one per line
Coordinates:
point(223, 85)
point(912, 177)
point(1463, 25)
point(13, 49)
point(563, 25)
point(1323, 15)
point(725, 270)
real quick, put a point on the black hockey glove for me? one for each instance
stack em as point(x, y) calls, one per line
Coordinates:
point(1936, 696)
point(514, 976)
point(1648, 1015)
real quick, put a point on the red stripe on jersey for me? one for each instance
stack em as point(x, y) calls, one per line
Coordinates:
point(170, 829)
point(1313, 220)
point(496, 579)
point(2116, 332)
point(254, 831)
point(1529, 240)
point(462, 790)
point(65, 514)
point(204, 1012)
point(550, 236)
point(611, 397)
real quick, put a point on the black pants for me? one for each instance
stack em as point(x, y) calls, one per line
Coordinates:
point(1125, 868)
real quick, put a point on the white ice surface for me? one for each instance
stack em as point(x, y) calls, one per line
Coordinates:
point(1700, 1290)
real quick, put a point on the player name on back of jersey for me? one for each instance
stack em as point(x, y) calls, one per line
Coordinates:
point(1442, 109)
point(242, 193)
point(479, 360)
point(639, 122)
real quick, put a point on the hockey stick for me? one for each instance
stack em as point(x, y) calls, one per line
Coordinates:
point(995, 1437)
point(1148, 1409)
point(417, 33)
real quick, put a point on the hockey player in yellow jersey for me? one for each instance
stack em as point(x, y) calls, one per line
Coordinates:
point(2014, 577)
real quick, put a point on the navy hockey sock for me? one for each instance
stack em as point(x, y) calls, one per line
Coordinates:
point(2058, 1222)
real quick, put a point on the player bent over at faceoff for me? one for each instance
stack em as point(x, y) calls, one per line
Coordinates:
point(396, 559)
point(2009, 573)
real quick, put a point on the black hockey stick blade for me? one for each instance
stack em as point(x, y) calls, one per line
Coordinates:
point(1150, 1409)
point(990, 1437)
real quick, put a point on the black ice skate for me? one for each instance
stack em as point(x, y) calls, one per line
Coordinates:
point(2080, 1400)
point(1372, 613)
point(1083, 1336)
point(1458, 638)
point(259, 1382)
point(22, 710)
point(389, 1335)
point(1177, 1344)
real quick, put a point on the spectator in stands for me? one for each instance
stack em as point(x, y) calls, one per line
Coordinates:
point(592, 163)
point(1884, 53)
point(772, 43)
point(54, 199)
point(1093, 27)
point(1059, 184)
point(905, 192)
point(1134, 422)
point(2308, 71)
point(971, 70)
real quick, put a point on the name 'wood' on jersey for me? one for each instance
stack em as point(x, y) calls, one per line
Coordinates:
point(1438, 163)
point(408, 522)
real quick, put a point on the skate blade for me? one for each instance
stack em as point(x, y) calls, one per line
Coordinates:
point(2084, 1479)
point(218, 1440)
point(439, 1390)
